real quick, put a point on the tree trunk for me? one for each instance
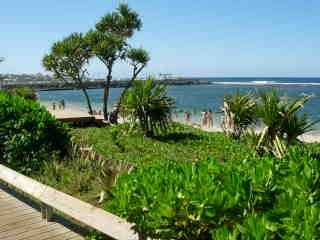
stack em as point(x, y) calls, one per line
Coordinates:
point(106, 93)
point(85, 93)
point(115, 113)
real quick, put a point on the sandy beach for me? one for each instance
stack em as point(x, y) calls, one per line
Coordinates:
point(74, 112)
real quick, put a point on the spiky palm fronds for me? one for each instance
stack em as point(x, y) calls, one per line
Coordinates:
point(239, 113)
point(283, 122)
point(148, 103)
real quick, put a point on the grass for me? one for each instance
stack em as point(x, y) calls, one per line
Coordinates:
point(87, 179)
point(182, 143)
point(223, 166)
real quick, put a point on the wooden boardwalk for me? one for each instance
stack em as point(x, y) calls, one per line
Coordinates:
point(21, 219)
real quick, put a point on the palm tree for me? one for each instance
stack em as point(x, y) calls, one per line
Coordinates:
point(239, 113)
point(68, 60)
point(138, 59)
point(283, 123)
point(148, 103)
point(109, 41)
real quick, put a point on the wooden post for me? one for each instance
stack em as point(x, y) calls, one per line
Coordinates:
point(46, 212)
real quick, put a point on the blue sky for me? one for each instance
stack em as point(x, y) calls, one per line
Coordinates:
point(187, 38)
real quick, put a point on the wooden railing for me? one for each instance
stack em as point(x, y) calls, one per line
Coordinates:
point(91, 216)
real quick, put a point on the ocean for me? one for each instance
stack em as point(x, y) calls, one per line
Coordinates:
point(197, 98)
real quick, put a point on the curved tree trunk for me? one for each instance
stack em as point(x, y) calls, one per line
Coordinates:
point(115, 113)
point(85, 93)
point(106, 93)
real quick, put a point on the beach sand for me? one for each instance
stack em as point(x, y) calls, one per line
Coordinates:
point(74, 112)
point(68, 112)
point(307, 138)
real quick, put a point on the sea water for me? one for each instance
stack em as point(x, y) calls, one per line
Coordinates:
point(198, 98)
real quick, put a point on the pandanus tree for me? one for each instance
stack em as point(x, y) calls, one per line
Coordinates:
point(239, 113)
point(147, 102)
point(108, 48)
point(109, 40)
point(137, 59)
point(68, 60)
point(283, 121)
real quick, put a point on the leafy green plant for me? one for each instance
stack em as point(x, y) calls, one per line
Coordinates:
point(108, 41)
point(25, 92)
point(68, 60)
point(283, 123)
point(263, 198)
point(29, 134)
point(138, 59)
point(148, 103)
point(239, 113)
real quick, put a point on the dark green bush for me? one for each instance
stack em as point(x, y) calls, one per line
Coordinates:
point(29, 134)
point(147, 102)
point(264, 198)
point(25, 92)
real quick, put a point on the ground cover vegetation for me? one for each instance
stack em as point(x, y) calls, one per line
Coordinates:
point(172, 181)
point(190, 184)
point(182, 183)
point(25, 92)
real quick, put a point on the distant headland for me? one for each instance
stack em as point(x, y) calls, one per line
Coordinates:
point(47, 83)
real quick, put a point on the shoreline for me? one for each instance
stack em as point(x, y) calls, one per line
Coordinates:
point(77, 111)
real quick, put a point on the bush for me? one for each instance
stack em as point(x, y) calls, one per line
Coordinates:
point(283, 122)
point(239, 113)
point(29, 133)
point(147, 102)
point(25, 92)
point(258, 199)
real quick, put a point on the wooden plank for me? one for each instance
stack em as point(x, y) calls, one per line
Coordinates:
point(25, 222)
point(50, 230)
point(20, 224)
point(15, 211)
point(7, 221)
point(33, 230)
point(104, 222)
point(18, 229)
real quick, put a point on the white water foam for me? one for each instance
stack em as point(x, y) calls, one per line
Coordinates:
point(268, 83)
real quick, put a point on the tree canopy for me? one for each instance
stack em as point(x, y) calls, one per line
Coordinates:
point(123, 22)
point(67, 61)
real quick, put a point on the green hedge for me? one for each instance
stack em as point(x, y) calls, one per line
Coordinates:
point(25, 92)
point(29, 134)
point(263, 198)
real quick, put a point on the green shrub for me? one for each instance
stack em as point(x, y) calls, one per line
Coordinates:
point(263, 198)
point(29, 134)
point(25, 92)
point(147, 102)
point(239, 113)
point(283, 121)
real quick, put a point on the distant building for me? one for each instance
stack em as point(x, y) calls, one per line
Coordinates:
point(166, 76)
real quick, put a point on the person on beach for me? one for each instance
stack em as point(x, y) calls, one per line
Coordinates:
point(176, 115)
point(203, 119)
point(210, 118)
point(187, 116)
point(63, 104)
point(53, 106)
